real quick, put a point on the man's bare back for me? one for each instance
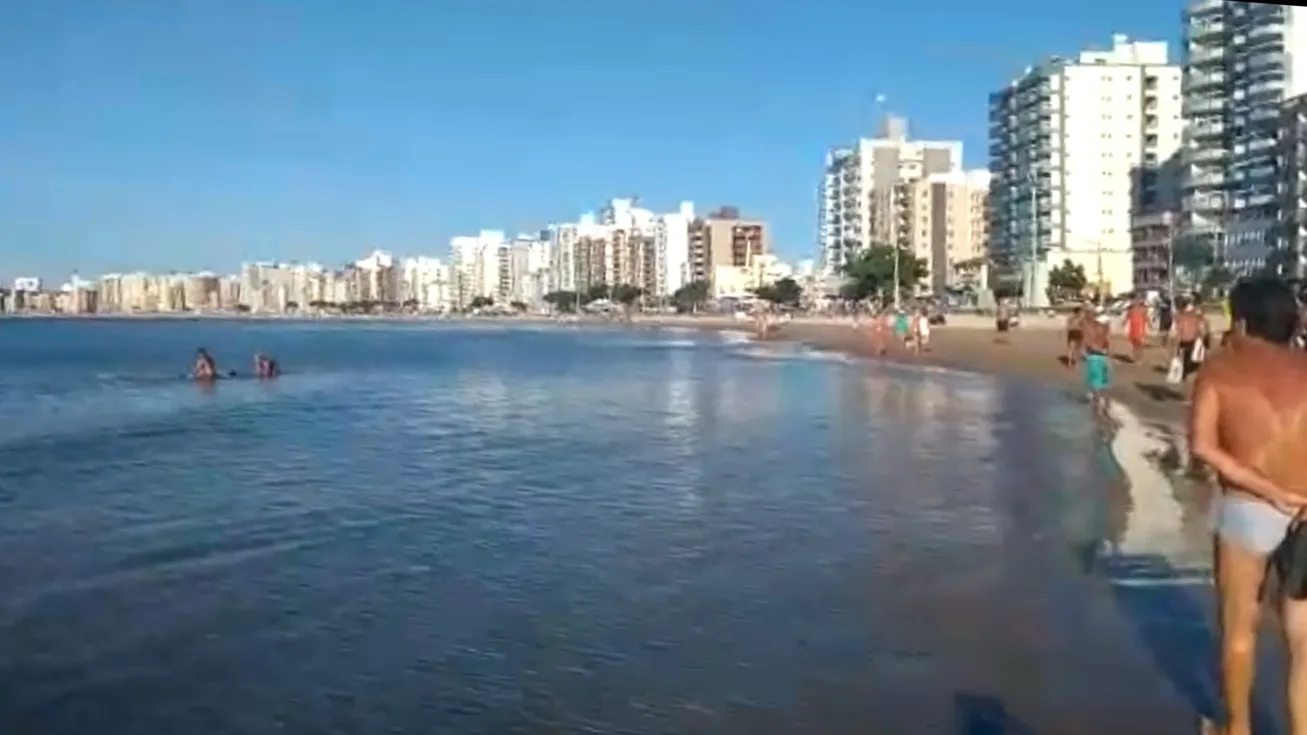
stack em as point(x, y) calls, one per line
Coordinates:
point(1097, 335)
point(1268, 432)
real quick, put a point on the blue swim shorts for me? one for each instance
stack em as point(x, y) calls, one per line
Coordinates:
point(1098, 372)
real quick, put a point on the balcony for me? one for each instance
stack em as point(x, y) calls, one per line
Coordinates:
point(1259, 63)
point(1265, 89)
point(1210, 29)
point(1206, 8)
point(1264, 33)
point(1200, 55)
point(1202, 81)
point(1204, 105)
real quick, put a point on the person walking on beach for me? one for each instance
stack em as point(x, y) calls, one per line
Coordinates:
point(1165, 314)
point(879, 329)
point(1098, 367)
point(1248, 423)
point(902, 327)
point(921, 332)
point(1191, 336)
point(1002, 322)
point(1075, 336)
point(1136, 329)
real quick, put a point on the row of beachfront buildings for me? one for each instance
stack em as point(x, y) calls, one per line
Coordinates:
point(1106, 158)
point(621, 243)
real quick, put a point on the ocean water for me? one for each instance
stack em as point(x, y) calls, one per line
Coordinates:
point(486, 529)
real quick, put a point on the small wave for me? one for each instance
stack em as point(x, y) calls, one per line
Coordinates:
point(735, 337)
point(657, 344)
point(793, 353)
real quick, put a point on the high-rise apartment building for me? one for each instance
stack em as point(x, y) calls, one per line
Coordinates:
point(478, 268)
point(943, 221)
point(858, 189)
point(623, 244)
point(1077, 146)
point(1243, 60)
point(672, 243)
point(1292, 163)
point(723, 239)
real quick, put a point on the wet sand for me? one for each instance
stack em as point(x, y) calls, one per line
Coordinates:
point(1034, 354)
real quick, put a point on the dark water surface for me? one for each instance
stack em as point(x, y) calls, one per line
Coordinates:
point(424, 529)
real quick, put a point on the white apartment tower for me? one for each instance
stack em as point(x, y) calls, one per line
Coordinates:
point(1078, 146)
point(857, 198)
point(1243, 60)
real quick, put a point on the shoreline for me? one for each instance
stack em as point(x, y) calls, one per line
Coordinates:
point(1033, 355)
point(1027, 352)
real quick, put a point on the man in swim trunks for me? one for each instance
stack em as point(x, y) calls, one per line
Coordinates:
point(880, 329)
point(1097, 337)
point(1075, 336)
point(205, 368)
point(901, 326)
point(1248, 422)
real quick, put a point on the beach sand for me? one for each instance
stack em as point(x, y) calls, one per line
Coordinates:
point(1030, 353)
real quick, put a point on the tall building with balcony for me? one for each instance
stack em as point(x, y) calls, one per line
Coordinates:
point(1077, 146)
point(478, 267)
point(1151, 239)
point(1292, 170)
point(1243, 61)
point(426, 283)
point(858, 189)
point(672, 244)
point(724, 239)
point(943, 221)
point(562, 240)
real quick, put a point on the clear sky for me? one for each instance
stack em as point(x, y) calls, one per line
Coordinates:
point(183, 134)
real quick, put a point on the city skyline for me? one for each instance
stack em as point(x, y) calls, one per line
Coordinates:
point(193, 138)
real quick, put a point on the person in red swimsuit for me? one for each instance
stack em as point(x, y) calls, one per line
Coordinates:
point(1136, 328)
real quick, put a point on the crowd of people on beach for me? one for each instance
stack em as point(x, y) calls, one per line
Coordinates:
point(1183, 327)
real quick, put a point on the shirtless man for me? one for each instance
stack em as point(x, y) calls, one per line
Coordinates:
point(1098, 368)
point(880, 329)
point(1075, 336)
point(921, 331)
point(1191, 327)
point(1247, 422)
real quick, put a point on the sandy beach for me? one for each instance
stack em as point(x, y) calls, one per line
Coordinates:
point(1030, 353)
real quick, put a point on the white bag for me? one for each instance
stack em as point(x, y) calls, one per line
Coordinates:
point(1199, 351)
point(1175, 374)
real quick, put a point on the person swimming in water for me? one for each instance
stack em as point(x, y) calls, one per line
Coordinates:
point(205, 367)
point(265, 367)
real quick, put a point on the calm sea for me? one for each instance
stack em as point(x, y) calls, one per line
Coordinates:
point(481, 529)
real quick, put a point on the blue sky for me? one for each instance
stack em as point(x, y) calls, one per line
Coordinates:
point(180, 134)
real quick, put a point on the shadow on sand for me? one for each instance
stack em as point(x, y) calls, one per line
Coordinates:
point(1159, 393)
point(977, 714)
